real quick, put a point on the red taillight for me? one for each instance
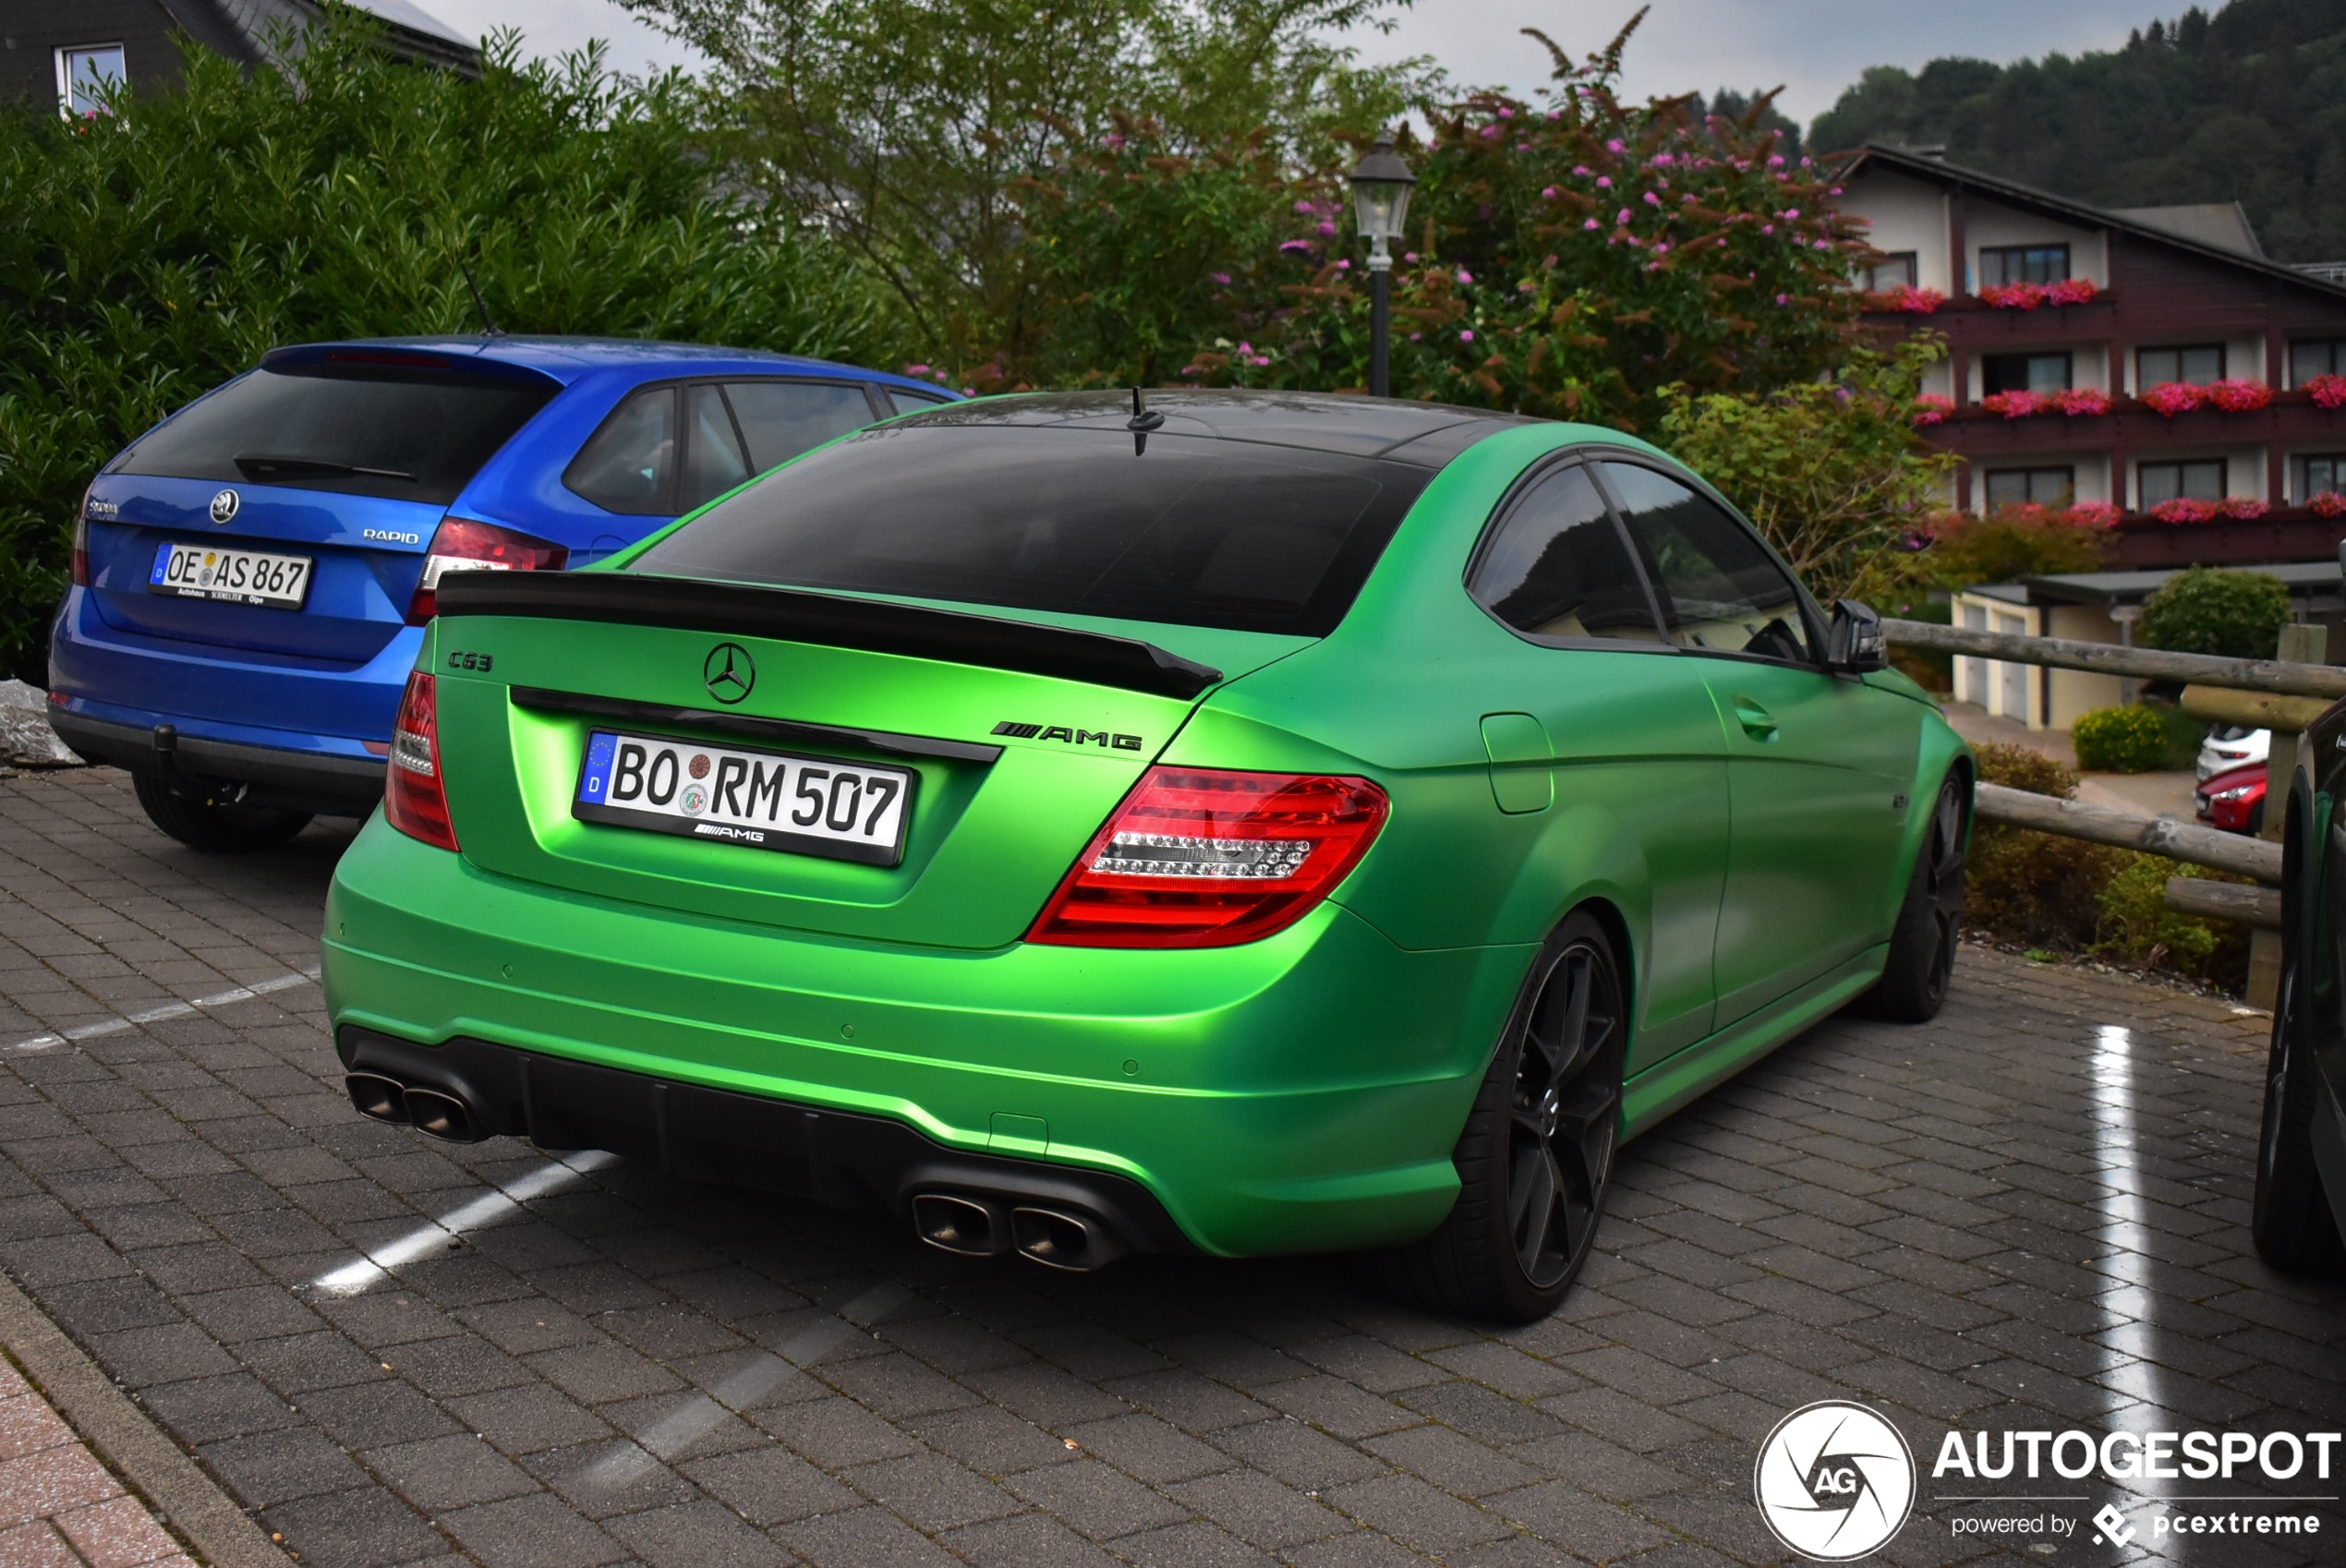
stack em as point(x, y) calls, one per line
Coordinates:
point(462, 545)
point(414, 801)
point(1208, 858)
point(81, 552)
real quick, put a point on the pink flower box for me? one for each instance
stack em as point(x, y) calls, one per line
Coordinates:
point(2080, 401)
point(2238, 395)
point(1906, 299)
point(2015, 404)
point(2246, 509)
point(2328, 503)
point(2327, 390)
point(2185, 510)
point(2171, 398)
point(2013, 297)
point(1933, 409)
point(2093, 514)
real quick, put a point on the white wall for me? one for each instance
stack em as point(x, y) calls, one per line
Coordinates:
point(1990, 224)
point(1903, 213)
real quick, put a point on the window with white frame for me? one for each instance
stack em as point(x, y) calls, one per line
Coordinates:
point(85, 73)
point(2320, 471)
point(2309, 358)
point(2041, 487)
point(1895, 270)
point(2195, 364)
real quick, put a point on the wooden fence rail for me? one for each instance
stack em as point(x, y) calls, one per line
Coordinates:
point(2154, 835)
point(2323, 680)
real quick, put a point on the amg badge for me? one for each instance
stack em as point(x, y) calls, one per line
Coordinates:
point(1073, 736)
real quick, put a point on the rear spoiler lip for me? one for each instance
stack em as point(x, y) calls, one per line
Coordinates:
point(797, 615)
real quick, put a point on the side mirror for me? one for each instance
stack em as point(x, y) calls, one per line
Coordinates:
point(1854, 644)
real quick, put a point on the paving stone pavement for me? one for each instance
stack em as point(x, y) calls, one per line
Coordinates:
point(2029, 1214)
point(59, 1508)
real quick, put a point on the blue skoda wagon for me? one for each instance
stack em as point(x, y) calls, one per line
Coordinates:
point(251, 577)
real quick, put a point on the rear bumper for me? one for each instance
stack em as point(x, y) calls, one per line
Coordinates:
point(317, 781)
point(1300, 1094)
point(834, 1158)
point(298, 730)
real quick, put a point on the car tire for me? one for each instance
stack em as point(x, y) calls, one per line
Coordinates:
point(1535, 1160)
point(1922, 945)
point(215, 825)
point(2294, 1225)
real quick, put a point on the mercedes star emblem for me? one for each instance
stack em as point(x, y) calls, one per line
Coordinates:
point(224, 506)
point(728, 672)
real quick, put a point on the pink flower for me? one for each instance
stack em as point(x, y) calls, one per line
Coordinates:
point(1550, 260)
point(1344, 266)
point(2238, 395)
point(1113, 140)
point(1661, 247)
point(1932, 408)
point(1582, 170)
point(1653, 201)
point(1303, 207)
point(1548, 193)
point(2171, 398)
point(2081, 401)
point(1466, 335)
point(1465, 276)
point(1784, 299)
point(2183, 509)
point(1614, 146)
point(2328, 503)
point(1507, 114)
point(1414, 336)
point(1592, 224)
point(1604, 182)
point(1409, 256)
point(2246, 508)
point(1776, 161)
point(1245, 347)
point(1662, 160)
point(1326, 227)
point(2327, 390)
point(2014, 404)
point(1766, 228)
point(1222, 278)
point(1490, 133)
point(2093, 514)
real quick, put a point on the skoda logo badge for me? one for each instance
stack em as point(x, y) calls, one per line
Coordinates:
point(728, 672)
point(224, 506)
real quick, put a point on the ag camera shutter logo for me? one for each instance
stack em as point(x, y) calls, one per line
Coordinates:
point(1834, 1481)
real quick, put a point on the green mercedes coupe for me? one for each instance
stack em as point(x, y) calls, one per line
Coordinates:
point(1248, 824)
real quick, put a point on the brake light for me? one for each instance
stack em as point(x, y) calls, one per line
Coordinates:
point(81, 552)
point(414, 800)
point(459, 544)
point(1209, 858)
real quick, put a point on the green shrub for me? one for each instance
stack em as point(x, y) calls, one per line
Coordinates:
point(2204, 610)
point(2053, 895)
point(2119, 740)
point(148, 256)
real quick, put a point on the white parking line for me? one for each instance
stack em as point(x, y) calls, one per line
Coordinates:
point(2128, 1309)
point(158, 1014)
point(438, 1235)
point(742, 1388)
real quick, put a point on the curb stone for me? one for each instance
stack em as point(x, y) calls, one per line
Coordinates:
point(187, 1503)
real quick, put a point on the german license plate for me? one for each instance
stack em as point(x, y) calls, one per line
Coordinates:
point(240, 576)
point(802, 805)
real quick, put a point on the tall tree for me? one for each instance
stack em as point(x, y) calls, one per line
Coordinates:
point(916, 130)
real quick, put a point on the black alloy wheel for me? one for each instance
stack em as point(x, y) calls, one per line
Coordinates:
point(1565, 1115)
point(1535, 1157)
point(1922, 947)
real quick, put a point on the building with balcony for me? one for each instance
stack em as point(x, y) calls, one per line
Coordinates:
point(2152, 359)
point(69, 52)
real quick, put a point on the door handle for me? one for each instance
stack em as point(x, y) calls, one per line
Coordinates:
point(1755, 719)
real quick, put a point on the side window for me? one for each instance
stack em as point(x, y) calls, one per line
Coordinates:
point(1721, 592)
point(780, 420)
point(1557, 567)
point(627, 464)
point(901, 401)
point(713, 460)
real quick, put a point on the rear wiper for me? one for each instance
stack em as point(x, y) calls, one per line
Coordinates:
point(259, 466)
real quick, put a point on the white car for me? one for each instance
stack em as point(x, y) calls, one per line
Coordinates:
point(2232, 745)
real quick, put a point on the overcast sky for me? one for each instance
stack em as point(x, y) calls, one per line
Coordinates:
point(1812, 47)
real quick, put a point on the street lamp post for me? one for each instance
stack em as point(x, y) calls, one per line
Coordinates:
point(1381, 204)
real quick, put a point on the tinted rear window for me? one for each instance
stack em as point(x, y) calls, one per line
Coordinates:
point(1194, 532)
point(376, 432)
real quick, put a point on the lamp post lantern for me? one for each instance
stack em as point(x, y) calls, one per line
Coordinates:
point(1381, 205)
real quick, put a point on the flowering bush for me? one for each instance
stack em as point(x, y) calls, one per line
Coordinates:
point(2014, 404)
point(2080, 401)
point(2171, 398)
point(2328, 503)
point(2327, 390)
point(1906, 299)
point(1931, 408)
point(2027, 297)
point(2247, 508)
point(2237, 394)
point(2093, 514)
point(2183, 509)
point(1573, 256)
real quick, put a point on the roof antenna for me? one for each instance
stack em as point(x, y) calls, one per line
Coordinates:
point(1143, 420)
point(488, 328)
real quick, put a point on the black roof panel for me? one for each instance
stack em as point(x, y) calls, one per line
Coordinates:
point(1425, 434)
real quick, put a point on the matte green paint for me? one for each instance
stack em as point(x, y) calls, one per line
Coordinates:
point(1736, 821)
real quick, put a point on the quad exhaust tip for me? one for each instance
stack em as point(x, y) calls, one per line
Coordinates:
point(428, 1111)
point(967, 1225)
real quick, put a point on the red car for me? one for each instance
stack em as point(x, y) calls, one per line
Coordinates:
point(2234, 800)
